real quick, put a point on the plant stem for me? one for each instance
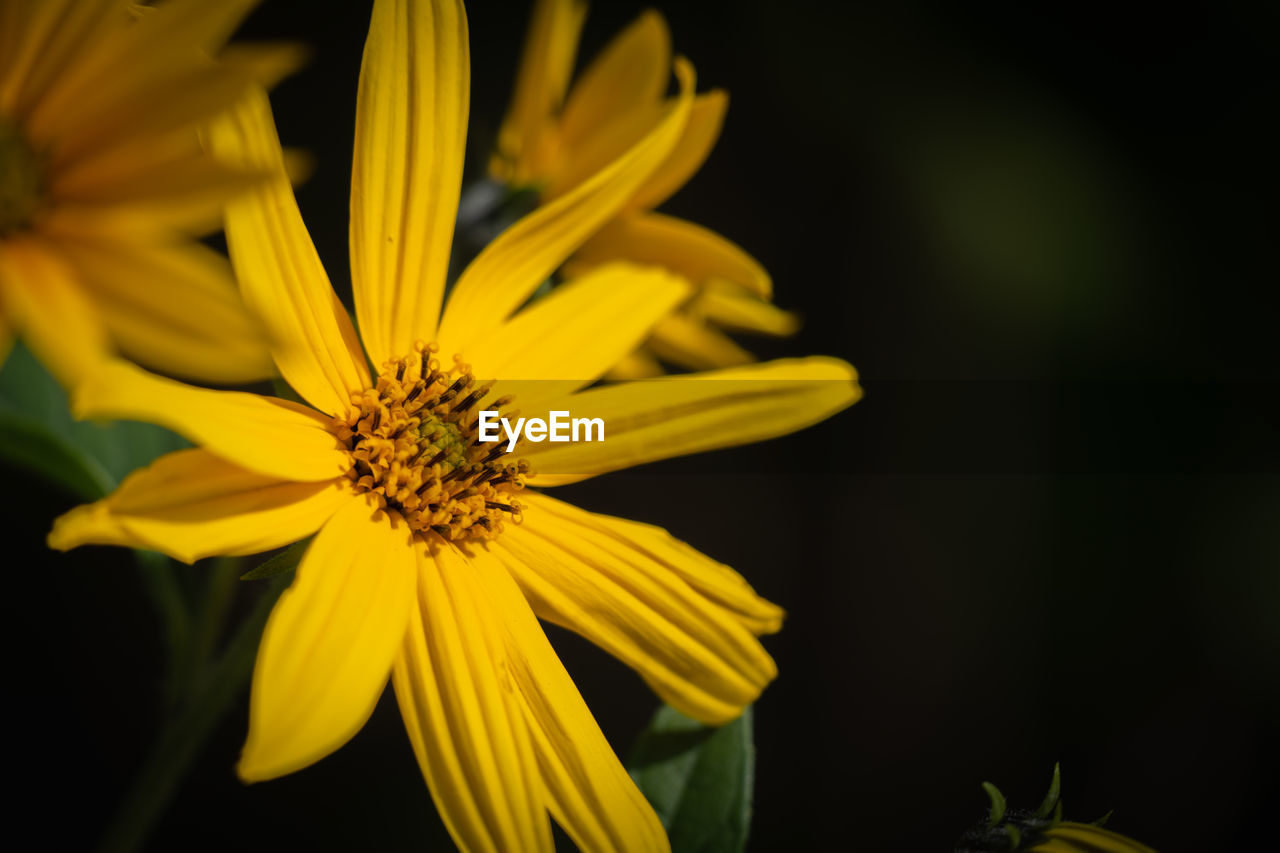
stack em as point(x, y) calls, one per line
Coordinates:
point(212, 692)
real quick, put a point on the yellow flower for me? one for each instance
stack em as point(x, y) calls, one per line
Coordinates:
point(553, 141)
point(419, 569)
point(104, 183)
point(1070, 837)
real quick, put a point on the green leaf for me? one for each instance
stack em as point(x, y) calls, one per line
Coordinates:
point(699, 780)
point(283, 563)
point(38, 434)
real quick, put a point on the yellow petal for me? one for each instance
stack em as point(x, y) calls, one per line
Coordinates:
point(192, 504)
point(638, 364)
point(158, 158)
point(697, 253)
point(734, 308)
point(688, 342)
point(700, 135)
point(587, 788)
point(546, 65)
point(281, 278)
point(569, 167)
point(510, 268)
point(1072, 837)
point(273, 437)
point(460, 707)
point(330, 641)
point(714, 581)
point(411, 132)
point(51, 36)
point(174, 308)
point(50, 309)
point(629, 74)
point(185, 194)
point(577, 332)
point(105, 94)
point(695, 654)
point(661, 418)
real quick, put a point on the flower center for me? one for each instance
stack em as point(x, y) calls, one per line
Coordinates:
point(21, 182)
point(414, 443)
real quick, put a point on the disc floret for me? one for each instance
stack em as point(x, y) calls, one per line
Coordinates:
point(414, 443)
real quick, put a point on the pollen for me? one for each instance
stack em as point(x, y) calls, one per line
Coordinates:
point(21, 180)
point(414, 443)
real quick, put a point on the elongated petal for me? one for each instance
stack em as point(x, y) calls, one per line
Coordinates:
point(546, 65)
point(656, 419)
point(569, 167)
point(49, 308)
point(695, 654)
point(697, 253)
point(637, 364)
point(689, 342)
point(734, 308)
point(588, 790)
point(411, 132)
point(714, 581)
point(1071, 837)
point(51, 34)
point(700, 135)
point(192, 504)
point(283, 282)
point(330, 641)
point(629, 74)
point(174, 308)
point(272, 437)
point(105, 93)
point(463, 715)
point(511, 267)
point(580, 330)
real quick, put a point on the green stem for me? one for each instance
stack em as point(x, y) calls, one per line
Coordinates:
point(163, 587)
point(186, 731)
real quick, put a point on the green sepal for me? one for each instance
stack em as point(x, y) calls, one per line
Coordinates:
point(998, 804)
point(283, 563)
point(699, 779)
point(1050, 801)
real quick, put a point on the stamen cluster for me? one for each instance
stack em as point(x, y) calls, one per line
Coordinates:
point(414, 443)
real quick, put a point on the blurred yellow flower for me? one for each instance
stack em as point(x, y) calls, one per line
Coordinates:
point(552, 141)
point(104, 184)
point(413, 572)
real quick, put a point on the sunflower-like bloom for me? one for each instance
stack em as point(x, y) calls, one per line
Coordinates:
point(553, 142)
point(104, 183)
point(432, 561)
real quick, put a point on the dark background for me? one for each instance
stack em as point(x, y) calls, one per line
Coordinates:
point(1049, 532)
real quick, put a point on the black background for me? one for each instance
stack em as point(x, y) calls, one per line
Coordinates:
point(1049, 532)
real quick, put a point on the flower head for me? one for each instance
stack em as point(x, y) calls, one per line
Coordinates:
point(556, 135)
point(104, 182)
point(432, 556)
